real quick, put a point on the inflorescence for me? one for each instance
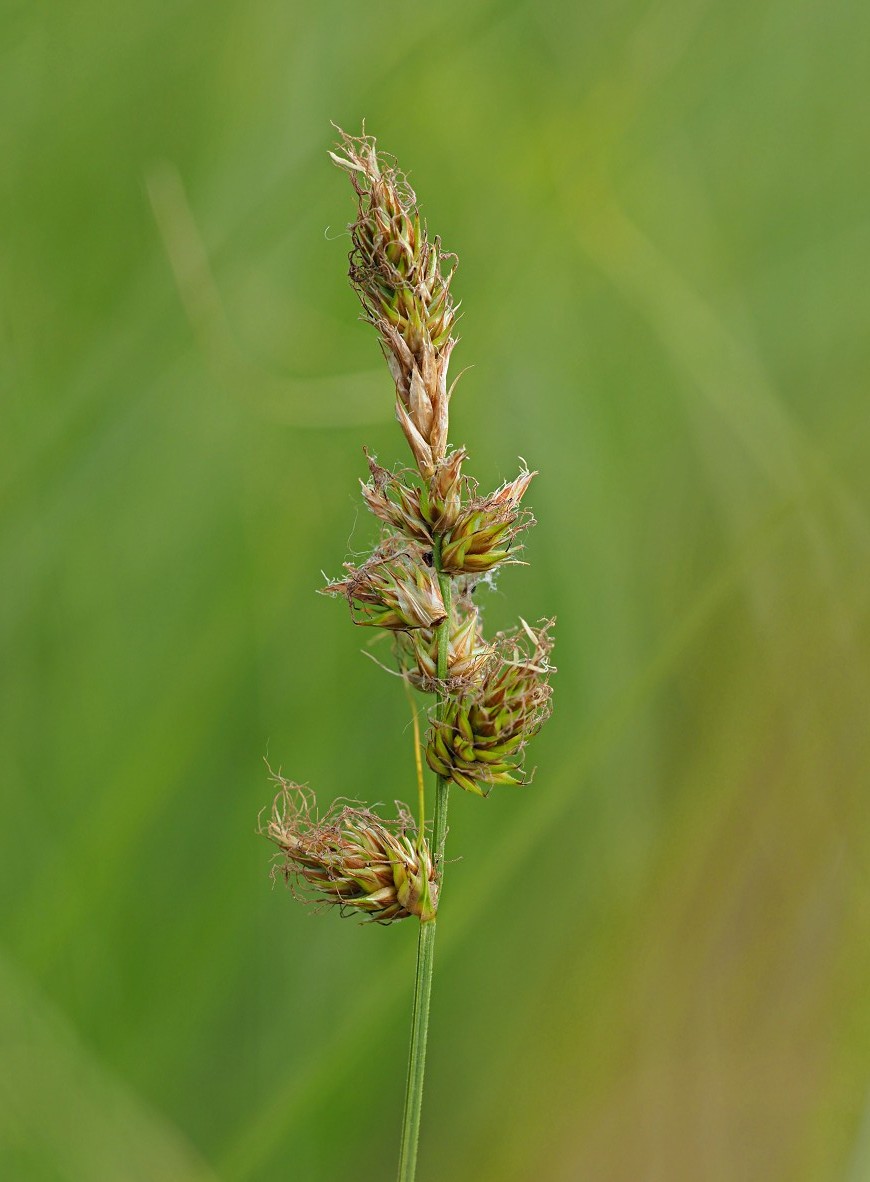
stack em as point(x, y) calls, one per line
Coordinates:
point(440, 537)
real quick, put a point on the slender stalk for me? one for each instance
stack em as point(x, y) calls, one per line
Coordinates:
point(417, 1057)
point(426, 938)
point(418, 765)
point(442, 785)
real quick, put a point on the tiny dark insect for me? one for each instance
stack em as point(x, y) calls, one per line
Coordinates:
point(427, 557)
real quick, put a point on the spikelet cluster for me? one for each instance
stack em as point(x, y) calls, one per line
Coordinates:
point(436, 524)
point(439, 538)
point(477, 532)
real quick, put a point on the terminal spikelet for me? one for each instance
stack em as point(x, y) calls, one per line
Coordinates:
point(402, 278)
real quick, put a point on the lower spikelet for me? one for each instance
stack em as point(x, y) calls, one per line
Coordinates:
point(352, 858)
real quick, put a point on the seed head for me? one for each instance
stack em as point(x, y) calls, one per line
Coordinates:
point(400, 276)
point(353, 859)
point(394, 588)
point(480, 739)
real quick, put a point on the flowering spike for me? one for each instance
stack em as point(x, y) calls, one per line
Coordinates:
point(399, 274)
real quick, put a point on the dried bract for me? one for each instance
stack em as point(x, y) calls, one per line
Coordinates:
point(353, 859)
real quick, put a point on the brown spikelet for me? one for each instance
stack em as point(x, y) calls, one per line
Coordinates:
point(419, 509)
point(402, 278)
point(394, 588)
point(468, 653)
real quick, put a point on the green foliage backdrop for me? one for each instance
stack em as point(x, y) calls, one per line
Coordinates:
point(654, 962)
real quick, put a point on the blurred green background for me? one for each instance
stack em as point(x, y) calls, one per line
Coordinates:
point(654, 962)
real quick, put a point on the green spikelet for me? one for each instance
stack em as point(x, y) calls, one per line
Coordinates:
point(480, 738)
point(483, 531)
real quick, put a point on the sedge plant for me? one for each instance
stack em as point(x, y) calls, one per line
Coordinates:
point(440, 538)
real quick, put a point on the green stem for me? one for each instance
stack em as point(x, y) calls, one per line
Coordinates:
point(417, 1056)
point(442, 785)
point(426, 938)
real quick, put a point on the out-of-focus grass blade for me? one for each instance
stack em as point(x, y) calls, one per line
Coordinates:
point(64, 1116)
